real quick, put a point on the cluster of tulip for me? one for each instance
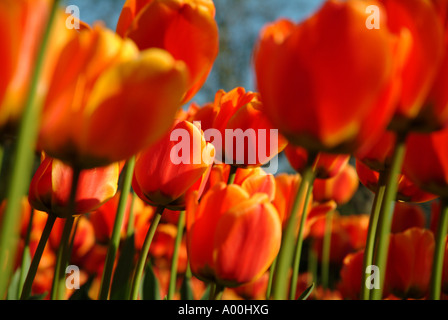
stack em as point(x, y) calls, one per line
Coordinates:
point(97, 111)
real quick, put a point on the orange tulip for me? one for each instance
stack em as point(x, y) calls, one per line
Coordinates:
point(239, 112)
point(22, 23)
point(421, 21)
point(253, 180)
point(325, 165)
point(340, 188)
point(51, 184)
point(409, 264)
point(426, 161)
point(107, 101)
point(308, 77)
point(162, 176)
point(407, 190)
point(232, 237)
point(286, 186)
point(185, 28)
point(407, 216)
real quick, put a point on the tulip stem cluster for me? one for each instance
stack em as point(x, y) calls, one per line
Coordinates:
point(439, 251)
point(174, 261)
point(288, 238)
point(115, 237)
point(23, 155)
point(371, 232)
point(386, 212)
point(299, 244)
point(144, 252)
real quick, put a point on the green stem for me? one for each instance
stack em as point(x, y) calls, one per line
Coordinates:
point(271, 278)
point(26, 291)
point(326, 247)
point(174, 261)
point(312, 263)
point(131, 218)
point(23, 163)
point(59, 269)
point(288, 239)
point(439, 251)
point(299, 244)
point(58, 288)
point(370, 241)
point(386, 213)
point(24, 260)
point(219, 290)
point(116, 231)
point(144, 254)
point(212, 291)
point(232, 175)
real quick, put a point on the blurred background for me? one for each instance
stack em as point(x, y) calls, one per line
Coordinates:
point(239, 24)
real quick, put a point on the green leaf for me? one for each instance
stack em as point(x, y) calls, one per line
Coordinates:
point(206, 294)
point(15, 289)
point(305, 294)
point(83, 292)
point(186, 292)
point(121, 283)
point(150, 285)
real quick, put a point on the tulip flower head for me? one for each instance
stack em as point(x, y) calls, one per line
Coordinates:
point(308, 75)
point(185, 28)
point(107, 101)
point(178, 163)
point(51, 184)
point(232, 237)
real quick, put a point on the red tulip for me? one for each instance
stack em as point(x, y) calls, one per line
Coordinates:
point(407, 191)
point(425, 29)
point(426, 161)
point(407, 216)
point(239, 113)
point(352, 274)
point(325, 165)
point(185, 28)
point(166, 171)
point(340, 188)
point(409, 263)
point(232, 237)
point(51, 185)
point(253, 180)
point(308, 77)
